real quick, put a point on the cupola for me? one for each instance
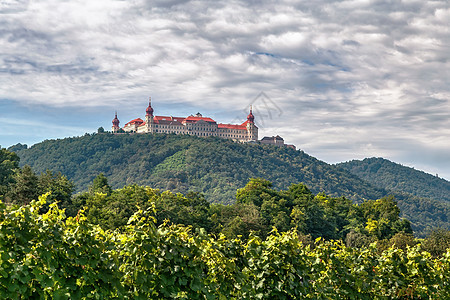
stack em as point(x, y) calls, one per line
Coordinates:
point(115, 121)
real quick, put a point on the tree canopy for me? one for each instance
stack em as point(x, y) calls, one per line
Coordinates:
point(214, 167)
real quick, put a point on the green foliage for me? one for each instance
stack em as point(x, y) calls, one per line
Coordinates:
point(43, 256)
point(111, 209)
point(25, 187)
point(422, 198)
point(46, 256)
point(259, 209)
point(100, 185)
point(395, 177)
point(237, 220)
point(382, 218)
point(322, 215)
point(9, 163)
point(60, 189)
point(18, 147)
point(424, 214)
point(437, 242)
point(216, 168)
point(212, 166)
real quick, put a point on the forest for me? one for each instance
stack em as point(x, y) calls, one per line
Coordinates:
point(138, 242)
point(395, 177)
point(216, 168)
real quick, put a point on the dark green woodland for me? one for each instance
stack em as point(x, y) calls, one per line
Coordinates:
point(216, 169)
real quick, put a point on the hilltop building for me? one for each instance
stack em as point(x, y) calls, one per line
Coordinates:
point(276, 140)
point(273, 140)
point(192, 125)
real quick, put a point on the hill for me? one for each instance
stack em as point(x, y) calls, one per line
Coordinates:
point(212, 166)
point(395, 177)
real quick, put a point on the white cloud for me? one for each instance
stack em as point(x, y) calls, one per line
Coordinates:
point(356, 76)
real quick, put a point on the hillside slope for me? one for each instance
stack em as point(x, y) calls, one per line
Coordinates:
point(213, 166)
point(395, 177)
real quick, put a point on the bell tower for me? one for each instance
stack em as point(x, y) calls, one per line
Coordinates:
point(115, 128)
point(252, 130)
point(149, 121)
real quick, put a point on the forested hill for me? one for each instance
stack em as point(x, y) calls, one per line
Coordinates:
point(395, 177)
point(213, 166)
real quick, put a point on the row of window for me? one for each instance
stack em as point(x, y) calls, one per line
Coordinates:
point(236, 136)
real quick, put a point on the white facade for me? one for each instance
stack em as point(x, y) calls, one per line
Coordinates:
point(193, 125)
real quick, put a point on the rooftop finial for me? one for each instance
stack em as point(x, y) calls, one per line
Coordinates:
point(251, 117)
point(149, 110)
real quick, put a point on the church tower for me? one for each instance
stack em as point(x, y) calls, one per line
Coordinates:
point(252, 130)
point(150, 123)
point(115, 128)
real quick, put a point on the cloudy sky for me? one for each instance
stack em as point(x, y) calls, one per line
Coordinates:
point(341, 80)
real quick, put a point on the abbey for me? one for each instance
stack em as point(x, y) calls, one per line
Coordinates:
point(193, 125)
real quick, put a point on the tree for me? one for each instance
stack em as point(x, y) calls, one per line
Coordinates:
point(437, 242)
point(25, 187)
point(237, 220)
point(100, 185)
point(402, 240)
point(299, 194)
point(382, 218)
point(256, 190)
point(60, 189)
point(18, 147)
point(9, 163)
point(357, 240)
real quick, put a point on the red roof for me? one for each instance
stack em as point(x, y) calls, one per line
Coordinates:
point(167, 120)
point(243, 126)
point(191, 119)
point(196, 119)
point(137, 121)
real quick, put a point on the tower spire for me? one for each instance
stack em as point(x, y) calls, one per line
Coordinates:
point(251, 117)
point(149, 110)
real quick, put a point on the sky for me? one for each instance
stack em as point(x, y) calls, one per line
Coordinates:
point(341, 80)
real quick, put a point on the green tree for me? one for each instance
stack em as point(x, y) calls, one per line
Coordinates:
point(437, 242)
point(9, 163)
point(18, 147)
point(100, 185)
point(60, 189)
point(355, 239)
point(25, 187)
point(237, 220)
point(256, 191)
point(382, 218)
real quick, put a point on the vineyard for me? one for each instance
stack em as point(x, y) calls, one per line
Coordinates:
point(49, 256)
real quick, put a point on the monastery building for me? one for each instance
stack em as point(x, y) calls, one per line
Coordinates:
point(193, 125)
